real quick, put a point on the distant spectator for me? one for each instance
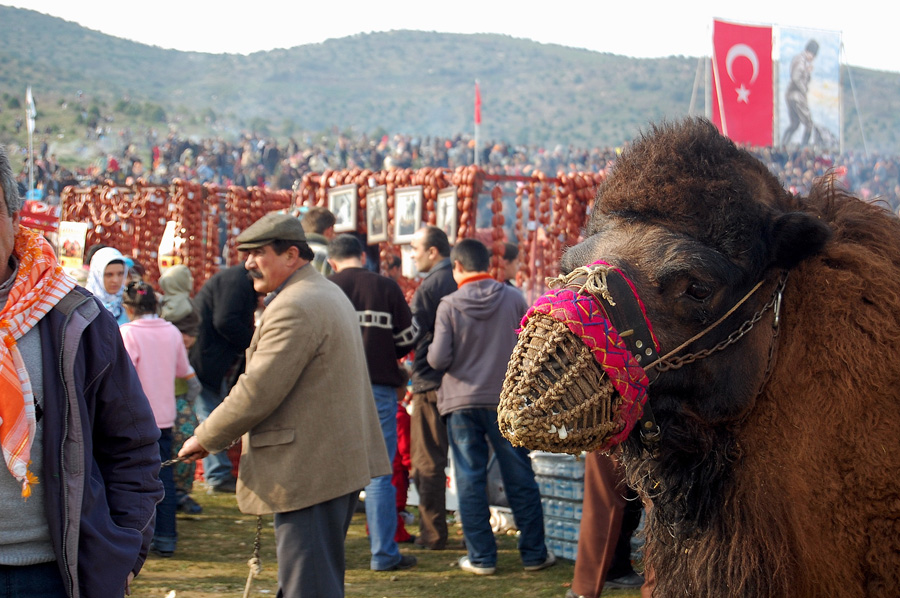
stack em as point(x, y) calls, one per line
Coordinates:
point(89, 254)
point(177, 307)
point(474, 336)
point(158, 354)
point(385, 322)
point(136, 272)
point(227, 303)
point(611, 514)
point(106, 281)
point(509, 263)
point(394, 269)
point(428, 432)
point(244, 161)
point(318, 225)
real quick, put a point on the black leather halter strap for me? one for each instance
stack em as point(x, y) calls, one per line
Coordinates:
point(624, 311)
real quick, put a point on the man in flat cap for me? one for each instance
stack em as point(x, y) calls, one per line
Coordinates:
point(304, 405)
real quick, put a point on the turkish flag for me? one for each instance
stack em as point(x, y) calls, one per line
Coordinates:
point(742, 94)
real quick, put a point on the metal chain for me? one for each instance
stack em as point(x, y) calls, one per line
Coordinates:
point(254, 563)
point(184, 459)
point(770, 361)
point(674, 363)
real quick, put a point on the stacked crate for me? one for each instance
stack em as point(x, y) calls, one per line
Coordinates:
point(561, 482)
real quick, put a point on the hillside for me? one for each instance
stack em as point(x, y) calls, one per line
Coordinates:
point(401, 81)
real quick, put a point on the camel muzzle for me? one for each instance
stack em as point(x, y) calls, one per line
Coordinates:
point(575, 381)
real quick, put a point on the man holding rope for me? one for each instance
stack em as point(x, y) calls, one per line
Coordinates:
point(312, 438)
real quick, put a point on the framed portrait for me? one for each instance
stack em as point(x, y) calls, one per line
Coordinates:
point(376, 215)
point(342, 203)
point(407, 213)
point(447, 219)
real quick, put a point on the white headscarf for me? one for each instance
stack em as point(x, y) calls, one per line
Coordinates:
point(101, 259)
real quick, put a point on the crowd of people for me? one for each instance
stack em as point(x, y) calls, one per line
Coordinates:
point(318, 354)
point(258, 160)
point(278, 356)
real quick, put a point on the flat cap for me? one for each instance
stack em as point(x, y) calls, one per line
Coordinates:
point(271, 227)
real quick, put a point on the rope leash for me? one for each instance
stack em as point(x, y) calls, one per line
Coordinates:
point(255, 563)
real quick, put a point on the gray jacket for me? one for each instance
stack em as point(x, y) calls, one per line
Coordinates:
point(474, 336)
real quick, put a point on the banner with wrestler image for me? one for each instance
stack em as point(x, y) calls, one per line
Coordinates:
point(809, 99)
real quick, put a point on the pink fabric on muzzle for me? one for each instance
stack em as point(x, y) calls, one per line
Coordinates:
point(586, 318)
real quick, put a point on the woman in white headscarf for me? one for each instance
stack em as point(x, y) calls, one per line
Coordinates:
point(106, 281)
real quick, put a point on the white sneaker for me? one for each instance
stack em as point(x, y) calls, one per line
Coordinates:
point(548, 562)
point(466, 565)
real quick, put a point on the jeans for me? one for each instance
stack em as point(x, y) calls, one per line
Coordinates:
point(469, 431)
point(216, 467)
point(33, 581)
point(381, 503)
point(165, 510)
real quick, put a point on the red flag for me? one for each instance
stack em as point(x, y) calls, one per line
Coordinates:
point(477, 104)
point(742, 95)
point(37, 214)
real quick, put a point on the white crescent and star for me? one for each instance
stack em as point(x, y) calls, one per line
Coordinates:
point(738, 51)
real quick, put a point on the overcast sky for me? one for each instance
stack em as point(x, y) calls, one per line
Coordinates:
point(631, 28)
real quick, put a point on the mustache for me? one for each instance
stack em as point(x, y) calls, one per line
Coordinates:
point(254, 274)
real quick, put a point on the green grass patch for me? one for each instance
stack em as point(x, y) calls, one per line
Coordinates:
point(214, 547)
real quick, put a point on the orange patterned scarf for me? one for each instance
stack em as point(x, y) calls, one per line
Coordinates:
point(39, 285)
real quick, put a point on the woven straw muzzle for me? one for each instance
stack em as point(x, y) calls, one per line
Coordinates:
point(556, 397)
point(572, 384)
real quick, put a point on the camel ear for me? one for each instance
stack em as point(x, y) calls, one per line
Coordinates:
point(797, 236)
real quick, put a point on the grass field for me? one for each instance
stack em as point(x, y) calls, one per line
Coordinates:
point(214, 547)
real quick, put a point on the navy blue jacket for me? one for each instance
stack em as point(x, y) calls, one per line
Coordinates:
point(101, 457)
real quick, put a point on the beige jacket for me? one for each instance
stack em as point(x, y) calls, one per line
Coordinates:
point(304, 404)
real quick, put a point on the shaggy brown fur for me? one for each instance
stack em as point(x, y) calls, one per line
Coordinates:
point(780, 487)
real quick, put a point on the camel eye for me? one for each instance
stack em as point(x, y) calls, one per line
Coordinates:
point(698, 291)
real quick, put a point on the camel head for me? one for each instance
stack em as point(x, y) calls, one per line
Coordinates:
point(693, 237)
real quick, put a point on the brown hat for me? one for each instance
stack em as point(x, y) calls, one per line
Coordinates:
point(271, 227)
